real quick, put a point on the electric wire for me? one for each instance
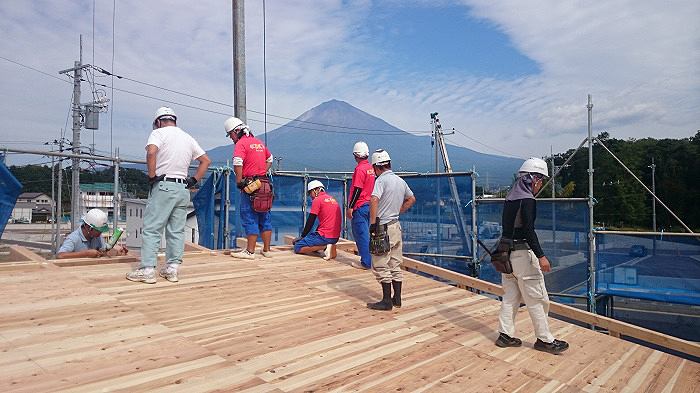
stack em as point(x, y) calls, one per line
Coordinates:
point(111, 112)
point(264, 72)
point(251, 110)
point(485, 145)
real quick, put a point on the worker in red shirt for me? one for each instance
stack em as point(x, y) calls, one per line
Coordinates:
point(251, 161)
point(326, 209)
point(358, 204)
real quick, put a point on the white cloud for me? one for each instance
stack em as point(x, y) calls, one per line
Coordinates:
point(639, 59)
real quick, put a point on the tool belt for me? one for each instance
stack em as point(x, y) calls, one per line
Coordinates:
point(500, 259)
point(261, 193)
point(379, 241)
point(520, 245)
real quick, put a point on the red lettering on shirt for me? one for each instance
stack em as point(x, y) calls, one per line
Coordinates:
point(362, 177)
point(254, 155)
point(330, 219)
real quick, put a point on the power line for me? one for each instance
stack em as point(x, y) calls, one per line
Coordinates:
point(251, 110)
point(34, 69)
point(485, 145)
point(396, 133)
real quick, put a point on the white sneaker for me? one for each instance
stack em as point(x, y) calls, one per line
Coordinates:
point(245, 254)
point(138, 275)
point(170, 276)
point(266, 254)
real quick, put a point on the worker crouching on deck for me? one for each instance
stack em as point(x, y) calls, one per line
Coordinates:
point(326, 208)
point(391, 196)
point(251, 161)
point(525, 282)
point(86, 241)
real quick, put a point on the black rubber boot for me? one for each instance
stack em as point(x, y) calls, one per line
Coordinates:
point(505, 340)
point(396, 300)
point(385, 303)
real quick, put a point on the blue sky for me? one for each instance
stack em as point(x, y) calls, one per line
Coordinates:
point(444, 39)
point(511, 75)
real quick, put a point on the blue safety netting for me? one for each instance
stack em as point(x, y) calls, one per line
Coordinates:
point(208, 202)
point(660, 268)
point(287, 212)
point(9, 191)
point(562, 230)
point(431, 225)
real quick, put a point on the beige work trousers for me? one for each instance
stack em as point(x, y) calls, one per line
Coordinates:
point(526, 283)
point(387, 267)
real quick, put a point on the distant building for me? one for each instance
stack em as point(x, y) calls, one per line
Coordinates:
point(32, 206)
point(135, 209)
point(98, 196)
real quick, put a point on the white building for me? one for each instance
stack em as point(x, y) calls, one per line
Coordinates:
point(135, 209)
point(32, 206)
point(98, 196)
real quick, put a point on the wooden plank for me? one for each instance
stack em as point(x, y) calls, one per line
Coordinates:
point(684, 346)
point(22, 254)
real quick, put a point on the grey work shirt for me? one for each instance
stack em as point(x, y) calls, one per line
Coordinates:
point(392, 191)
point(76, 241)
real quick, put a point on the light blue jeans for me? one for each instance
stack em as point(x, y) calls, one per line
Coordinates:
point(166, 208)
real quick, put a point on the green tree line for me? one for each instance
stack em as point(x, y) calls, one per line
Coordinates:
point(621, 201)
point(37, 178)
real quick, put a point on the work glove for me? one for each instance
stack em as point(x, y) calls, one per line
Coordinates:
point(240, 185)
point(191, 181)
point(296, 239)
point(155, 179)
point(373, 228)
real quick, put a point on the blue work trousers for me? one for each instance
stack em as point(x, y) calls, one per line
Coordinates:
point(166, 208)
point(360, 232)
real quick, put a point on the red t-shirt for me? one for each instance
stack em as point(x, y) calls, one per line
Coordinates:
point(253, 154)
point(363, 178)
point(329, 216)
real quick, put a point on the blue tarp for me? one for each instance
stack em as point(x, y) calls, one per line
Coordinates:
point(660, 268)
point(9, 191)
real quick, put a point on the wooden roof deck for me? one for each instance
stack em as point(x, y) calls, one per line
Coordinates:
point(289, 324)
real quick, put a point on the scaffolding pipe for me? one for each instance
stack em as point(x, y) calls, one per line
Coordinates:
point(86, 157)
point(561, 167)
point(475, 229)
point(591, 235)
point(227, 204)
point(115, 199)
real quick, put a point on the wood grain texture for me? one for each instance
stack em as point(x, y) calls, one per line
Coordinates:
point(291, 323)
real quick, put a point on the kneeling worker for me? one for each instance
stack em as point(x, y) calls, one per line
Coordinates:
point(326, 208)
point(86, 241)
point(391, 196)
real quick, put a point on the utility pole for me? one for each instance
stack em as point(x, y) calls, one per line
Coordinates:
point(239, 85)
point(591, 235)
point(75, 182)
point(457, 210)
point(53, 200)
point(59, 207)
point(653, 201)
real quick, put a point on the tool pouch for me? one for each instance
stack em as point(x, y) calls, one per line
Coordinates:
point(261, 199)
point(379, 241)
point(500, 259)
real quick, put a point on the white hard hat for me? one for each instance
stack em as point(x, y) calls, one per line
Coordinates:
point(360, 150)
point(313, 184)
point(232, 123)
point(97, 219)
point(164, 111)
point(380, 156)
point(534, 165)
